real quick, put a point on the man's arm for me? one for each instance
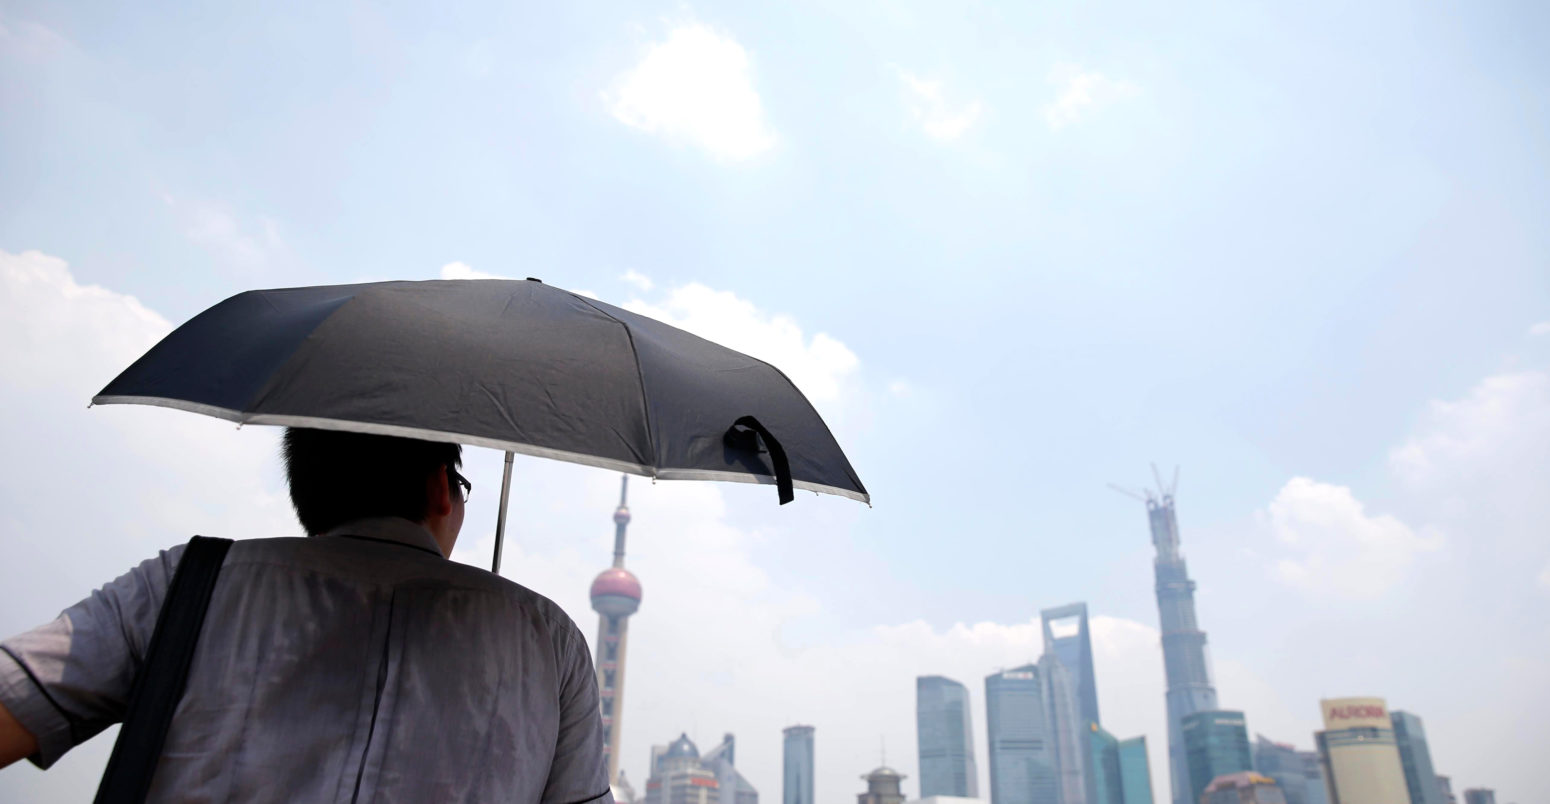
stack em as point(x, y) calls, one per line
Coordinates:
point(15, 741)
point(577, 773)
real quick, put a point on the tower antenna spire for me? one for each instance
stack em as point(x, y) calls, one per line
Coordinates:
point(615, 596)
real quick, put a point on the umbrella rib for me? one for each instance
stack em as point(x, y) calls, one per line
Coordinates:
point(651, 438)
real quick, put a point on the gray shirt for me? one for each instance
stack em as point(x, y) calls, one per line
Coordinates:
point(356, 666)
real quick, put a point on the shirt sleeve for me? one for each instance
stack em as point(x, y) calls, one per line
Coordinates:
point(578, 773)
point(69, 679)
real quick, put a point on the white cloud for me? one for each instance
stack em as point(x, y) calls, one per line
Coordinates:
point(639, 280)
point(928, 105)
point(1544, 578)
point(58, 332)
point(1335, 547)
point(217, 229)
point(1541, 328)
point(1480, 465)
point(900, 388)
point(1080, 92)
point(30, 42)
point(1499, 434)
point(819, 365)
point(459, 270)
point(695, 86)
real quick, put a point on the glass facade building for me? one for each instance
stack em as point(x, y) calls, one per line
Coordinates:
point(1108, 786)
point(1022, 769)
point(1184, 644)
point(944, 731)
point(797, 775)
point(1416, 759)
point(1068, 732)
point(1135, 771)
point(1076, 653)
point(1122, 774)
point(1216, 743)
point(1290, 769)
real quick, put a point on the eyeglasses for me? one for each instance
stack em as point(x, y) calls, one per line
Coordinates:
point(468, 488)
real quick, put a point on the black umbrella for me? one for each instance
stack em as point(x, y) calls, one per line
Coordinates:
point(517, 366)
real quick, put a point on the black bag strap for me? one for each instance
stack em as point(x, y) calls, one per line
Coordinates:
point(159, 684)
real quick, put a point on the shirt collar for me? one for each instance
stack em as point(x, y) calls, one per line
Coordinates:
point(389, 529)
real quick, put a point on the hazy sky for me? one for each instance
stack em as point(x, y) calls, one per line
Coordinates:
point(1011, 252)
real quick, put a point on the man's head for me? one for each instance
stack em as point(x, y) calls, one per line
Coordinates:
point(337, 477)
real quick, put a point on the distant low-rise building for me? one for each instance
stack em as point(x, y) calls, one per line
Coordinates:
point(678, 776)
point(732, 787)
point(1246, 787)
point(1479, 795)
point(1300, 781)
point(1445, 785)
point(883, 786)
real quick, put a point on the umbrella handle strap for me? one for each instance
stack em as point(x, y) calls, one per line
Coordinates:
point(742, 438)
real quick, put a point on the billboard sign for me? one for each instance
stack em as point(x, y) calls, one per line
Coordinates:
point(1348, 713)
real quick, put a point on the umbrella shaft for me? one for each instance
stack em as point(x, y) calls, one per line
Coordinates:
point(500, 518)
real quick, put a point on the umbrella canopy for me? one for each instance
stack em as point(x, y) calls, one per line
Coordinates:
point(515, 365)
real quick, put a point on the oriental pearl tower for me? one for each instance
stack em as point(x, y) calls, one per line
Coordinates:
point(615, 596)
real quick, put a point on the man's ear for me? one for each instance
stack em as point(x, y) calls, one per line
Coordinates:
point(438, 493)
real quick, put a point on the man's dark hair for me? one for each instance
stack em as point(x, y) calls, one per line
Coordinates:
point(338, 477)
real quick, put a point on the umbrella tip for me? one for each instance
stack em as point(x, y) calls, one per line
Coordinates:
point(535, 279)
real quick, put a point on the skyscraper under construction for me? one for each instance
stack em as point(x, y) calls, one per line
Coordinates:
point(1184, 644)
point(615, 596)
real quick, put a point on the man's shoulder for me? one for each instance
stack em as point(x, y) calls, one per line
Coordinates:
point(377, 563)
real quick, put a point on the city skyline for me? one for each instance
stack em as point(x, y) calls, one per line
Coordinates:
point(1010, 252)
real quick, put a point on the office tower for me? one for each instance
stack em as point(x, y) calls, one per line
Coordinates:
point(1246, 787)
point(1288, 767)
point(678, 777)
point(1076, 653)
point(1479, 795)
point(797, 777)
point(1216, 743)
point(882, 787)
point(615, 596)
point(1135, 771)
point(944, 730)
point(1416, 759)
point(1103, 763)
point(733, 788)
point(1022, 769)
point(1120, 770)
point(1359, 757)
point(1445, 786)
point(1184, 644)
point(1067, 734)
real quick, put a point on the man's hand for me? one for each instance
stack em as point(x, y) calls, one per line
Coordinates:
point(15, 741)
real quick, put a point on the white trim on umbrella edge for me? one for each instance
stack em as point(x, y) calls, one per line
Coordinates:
point(478, 441)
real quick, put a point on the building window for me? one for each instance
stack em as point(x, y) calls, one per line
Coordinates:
point(611, 651)
point(608, 707)
point(608, 678)
point(613, 625)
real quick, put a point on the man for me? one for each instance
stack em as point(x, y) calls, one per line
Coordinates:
point(355, 665)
